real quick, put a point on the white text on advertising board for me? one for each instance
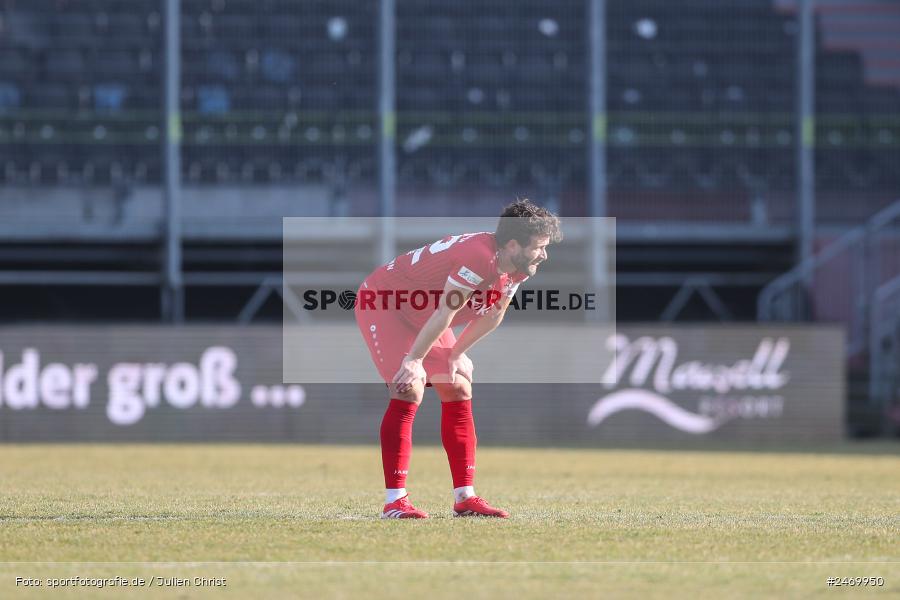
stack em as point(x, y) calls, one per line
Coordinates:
point(646, 372)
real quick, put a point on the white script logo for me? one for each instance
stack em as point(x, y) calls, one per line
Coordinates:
point(648, 362)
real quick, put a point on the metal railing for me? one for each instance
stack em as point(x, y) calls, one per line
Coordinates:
point(858, 256)
point(884, 383)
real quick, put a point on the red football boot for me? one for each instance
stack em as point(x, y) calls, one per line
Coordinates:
point(474, 506)
point(402, 509)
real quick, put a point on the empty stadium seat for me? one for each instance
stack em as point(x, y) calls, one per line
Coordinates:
point(109, 97)
point(10, 96)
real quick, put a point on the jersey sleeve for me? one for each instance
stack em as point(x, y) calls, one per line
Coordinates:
point(470, 268)
point(509, 290)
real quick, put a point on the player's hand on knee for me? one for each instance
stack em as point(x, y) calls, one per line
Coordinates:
point(410, 370)
point(461, 365)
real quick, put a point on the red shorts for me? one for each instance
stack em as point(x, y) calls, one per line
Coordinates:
point(390, 336)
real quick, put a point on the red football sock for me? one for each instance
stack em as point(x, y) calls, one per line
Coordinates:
point(396, 441)
point(458, 436)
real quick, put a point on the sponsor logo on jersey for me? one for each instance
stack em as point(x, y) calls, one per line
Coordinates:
point(468, 275)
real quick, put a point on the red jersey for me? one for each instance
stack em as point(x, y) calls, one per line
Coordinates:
point(468, 261)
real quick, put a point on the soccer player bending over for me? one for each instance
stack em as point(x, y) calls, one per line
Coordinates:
point(405, 310)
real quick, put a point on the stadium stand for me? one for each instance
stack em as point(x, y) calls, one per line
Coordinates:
point(276, 93)
point(278, 108)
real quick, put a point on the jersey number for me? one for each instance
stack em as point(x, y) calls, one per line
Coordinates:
point(438, 246)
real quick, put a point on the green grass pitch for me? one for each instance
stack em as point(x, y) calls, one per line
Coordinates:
point(301, 521)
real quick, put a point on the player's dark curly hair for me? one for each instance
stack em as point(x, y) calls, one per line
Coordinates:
point(523, 220)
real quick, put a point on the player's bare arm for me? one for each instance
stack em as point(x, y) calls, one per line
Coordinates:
point(411, 367)
point(474, 331)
